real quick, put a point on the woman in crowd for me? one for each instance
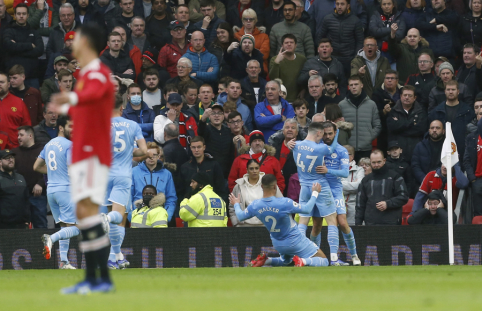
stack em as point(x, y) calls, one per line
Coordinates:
point(414, 9)
point(365, 164)
point(333, 113)
point(219, 46)
point(350, 185)
point(249, 189)
point(471, 24)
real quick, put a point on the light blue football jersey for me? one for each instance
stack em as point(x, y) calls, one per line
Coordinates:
point(338, 167)
point(58, 155)
point(308, 155)
point(124, 135)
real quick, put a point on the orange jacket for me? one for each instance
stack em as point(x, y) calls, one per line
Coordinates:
point(261, 42)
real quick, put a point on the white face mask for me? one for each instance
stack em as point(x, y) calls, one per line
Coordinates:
point(136, 100)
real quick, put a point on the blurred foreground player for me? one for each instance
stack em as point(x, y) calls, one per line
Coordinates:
point(285, 236)
point(90, 106)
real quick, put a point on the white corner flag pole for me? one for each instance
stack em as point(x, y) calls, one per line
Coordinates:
point(449, 200)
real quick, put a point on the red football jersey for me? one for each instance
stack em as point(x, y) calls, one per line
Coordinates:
point(91, 111)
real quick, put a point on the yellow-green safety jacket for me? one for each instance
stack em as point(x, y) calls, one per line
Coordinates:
point(152, 216)
point(204, 209)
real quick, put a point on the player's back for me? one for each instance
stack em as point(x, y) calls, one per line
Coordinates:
point(308, 155)
point(124, 134)
point(57, 155)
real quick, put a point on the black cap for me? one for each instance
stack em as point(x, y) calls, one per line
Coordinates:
point(256, 134)
point(176, 24)
point(393, 144)
point(202, 178)
point(151, 54)
point(217, 106)
point(174, 99)
point(5, 153)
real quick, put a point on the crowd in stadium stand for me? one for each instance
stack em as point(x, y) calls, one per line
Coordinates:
point(221, 87)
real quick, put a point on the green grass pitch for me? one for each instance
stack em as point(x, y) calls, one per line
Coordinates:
point(289, 288)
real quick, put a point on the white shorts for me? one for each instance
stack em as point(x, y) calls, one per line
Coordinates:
point(88, 179)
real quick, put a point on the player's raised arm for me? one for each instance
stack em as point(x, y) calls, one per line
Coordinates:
point(335, 142)
point(242, 215)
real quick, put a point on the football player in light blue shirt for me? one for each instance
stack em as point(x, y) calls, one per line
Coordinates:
point(54, 161)
point(275, 214)
point(125, 134)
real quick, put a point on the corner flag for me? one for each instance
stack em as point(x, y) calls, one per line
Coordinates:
point(449, 158)
point(449, 148)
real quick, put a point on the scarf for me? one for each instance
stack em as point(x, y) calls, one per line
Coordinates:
point(387, 22)
point(257, 156)
point(183, 135)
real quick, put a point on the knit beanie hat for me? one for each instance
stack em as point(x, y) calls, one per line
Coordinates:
point(202, 178)
point(255, 135)
point(247, 36)
point(445, 65)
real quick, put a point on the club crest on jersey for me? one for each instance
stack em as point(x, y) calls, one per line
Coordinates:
point(14, 109)
point(334, 155)
point(79, 85)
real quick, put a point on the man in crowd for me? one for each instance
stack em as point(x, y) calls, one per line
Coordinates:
point(86, 13)
point(47, 129)
point(5, 20)
point(209, 24)
point(233, 94)
point(206, 96)
point(131, 50)
point(434, 211)
point(424, 75)
point(174, 152)
point(272, 15)
point(473, 166)
point(51, 85)
point(173, 51)
point(469, 72)
point(30, 96)
point(253, 85)
point(238, 131)
point(182, 15)
point(152, 95)
point(138, 111)
point(373, 207)
point(138, 35)
point(239, 54)
point(67, 24)
point(184, 68)
point(149, 62)
point(204, 64)
point(157, 23)
point(117, 59)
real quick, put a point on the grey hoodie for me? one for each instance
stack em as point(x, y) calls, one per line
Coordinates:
point(371, 64)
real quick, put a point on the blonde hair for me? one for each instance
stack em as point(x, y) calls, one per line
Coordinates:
point(364, 161)
point(250, 13)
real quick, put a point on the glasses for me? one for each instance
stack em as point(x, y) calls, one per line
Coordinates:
point(248, 19)
point(235, 122)
point(424, 61)
point(219, 113)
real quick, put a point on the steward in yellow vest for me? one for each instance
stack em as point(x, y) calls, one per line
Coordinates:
point(150, 212)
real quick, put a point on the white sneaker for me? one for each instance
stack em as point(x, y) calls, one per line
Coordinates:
point(356, 260)
point(105, 223)
point(66, 265)
point(47, 251)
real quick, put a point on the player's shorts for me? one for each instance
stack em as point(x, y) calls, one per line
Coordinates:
point(324, 206)
point(118, 191)
point(62, 207)
point(89, 180)
point(339, 202)
point(304, 249)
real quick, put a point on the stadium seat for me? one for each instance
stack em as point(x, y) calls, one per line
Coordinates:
point(179, 223)
point(477, 220)
point(407, 209)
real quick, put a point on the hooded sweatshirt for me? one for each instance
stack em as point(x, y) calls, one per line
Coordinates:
point(371, 64)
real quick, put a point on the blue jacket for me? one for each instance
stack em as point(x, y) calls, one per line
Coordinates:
point(241, 108)
point(145, 119)
point(160, 178)
point(201, 63)
point(421, 159)
point(270, 123)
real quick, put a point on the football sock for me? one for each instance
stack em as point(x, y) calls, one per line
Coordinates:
point(316, 239)
point(114, 236)
point(275, 262)
point(64, 249)
point(65, 233)
point(302, 229)
point(350, 242)
point(333, 241)
point(315, 262)
point(114, 217)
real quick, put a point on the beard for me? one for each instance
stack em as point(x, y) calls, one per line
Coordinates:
point(196, 190)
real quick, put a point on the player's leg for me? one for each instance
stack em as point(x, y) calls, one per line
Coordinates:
point(308, 254)
point(333, 240)
point(303, 224)
point(305, 195)
point(117, 218)
point(349, 238)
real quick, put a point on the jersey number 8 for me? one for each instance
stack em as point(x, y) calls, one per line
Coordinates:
point(52, 160)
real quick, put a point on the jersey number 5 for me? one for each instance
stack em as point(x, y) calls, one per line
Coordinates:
point(273, 226)
point(119, 140)
point(302, 165)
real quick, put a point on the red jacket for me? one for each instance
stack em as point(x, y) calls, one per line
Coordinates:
point(169, 55)
point(13, 113)
point(270, 165)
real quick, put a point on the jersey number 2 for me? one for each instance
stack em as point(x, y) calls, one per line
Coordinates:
point(273, 226)
point(119, 140)
point(302, 165)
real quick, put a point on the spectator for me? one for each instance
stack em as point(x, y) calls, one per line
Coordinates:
point(272, 15)
point(469, 33)
point(264, 154)
point(149, 62)
point(397, 162)
point(470, 73)
point(414, 9)
point(217, 137)
point(206, 96)
point(66, 80)
point(457, 112)
point(228, 107)
point(370, 65)
point(133, 51)
point(138, 37)
point(238, 131)
point(203, 207)
point(153, 172)
point(209, 24)
point(296, 29)
point(384, 22)
point(473, 166)
point(358, 109)
point(220, 45)
point(287, 65)
point(271, 113)
point(366, 165)
point(174, 152)
point(333, 114)
point(423, 77)
point(233, 94)
point(439, 26)
point(385, 97)
point(123, 17)
point(301, 108)
point(196, 14)
point(408, 52)
point(157, 24)
point(375, 207)
point(184, 68)
point(343, 28)
point(67, 24)
point(253, 85)
point(239, 54)
point(202, 162)
point(319, 94)
point(149, 211)
point(117, 59)
point(66, 52)
point(350, 185)
point(189, 95)
point(138, 111)
point(284, 154)
point(51, 85)
point(204, 64)
point(23, 46)
point(5, 21)
point(108, 8)
point(302, 16)
point(47, 129)
point(434, 211)
point(323, 64)
point(248, 188)
point(30, 96)
point(182, 15)
point(86, 13)
point(173, 51)
point(25, 156)
point(426, 155)
point(437, 93)
point(407, 122)
point(152, 95)
point(235, 12)
point(13, 113)
point(437, 180)
point(172, 114)
point(14, 203)
point(261, 39)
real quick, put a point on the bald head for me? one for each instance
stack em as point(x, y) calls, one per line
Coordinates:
point(413, 38)
point(3, 8)
point(197, 41)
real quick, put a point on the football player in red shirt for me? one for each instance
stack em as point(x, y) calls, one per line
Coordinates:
point(90, 106)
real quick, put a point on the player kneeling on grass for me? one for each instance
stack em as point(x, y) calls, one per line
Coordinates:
point(275, 215)
point(150, 212)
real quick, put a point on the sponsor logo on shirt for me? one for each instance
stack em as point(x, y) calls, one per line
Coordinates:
point(14, 109)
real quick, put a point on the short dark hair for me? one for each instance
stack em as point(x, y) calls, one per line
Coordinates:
point(288, 35)
point(251, 161)
point(94, 34)
point(181, 5)
point(391, 72)
point(330, 77)
point(149, 187)
point(315, 127)
point(354, 77)
point(133, 85)
point(233, 81)
point(197, 139)
point(325, 40)
point(333, 112)
point(233, 115)
point(300, 102)
point(225, 80)
point(150, 72)
point(63, 73)
point(28, 129)
point(474, 47)
point(408, 88)
point(118, 102)
point(478, 99)
point(205, 3)
point(171, 87)
point(328, 125)
point(288, 2)
point(189, 85)
point(268, 180)
point(62, 120)
point(16, 70)
point(21, 5)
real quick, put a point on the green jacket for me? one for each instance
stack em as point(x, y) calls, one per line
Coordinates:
point(382, 66)
point(152, 216)
point(49, 87)
point(35, 15)
point(288, 71)
point(204, 209)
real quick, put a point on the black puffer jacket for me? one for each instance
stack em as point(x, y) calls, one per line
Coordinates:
point(14, 203)
point(471, 29)
point(381, 32)
point(314, 63)
point(120, 64)
point(345, 32)
point(381, 185)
